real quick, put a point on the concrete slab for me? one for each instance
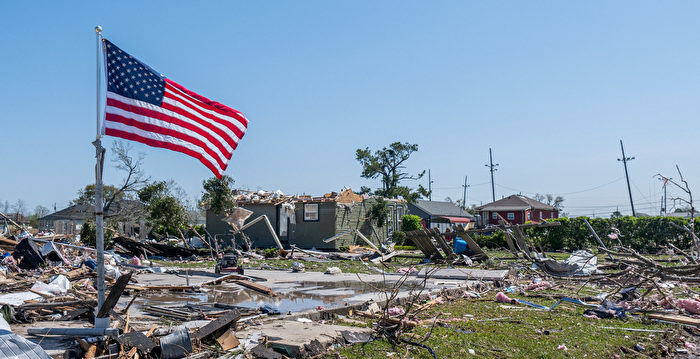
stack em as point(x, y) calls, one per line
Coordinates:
point(289, 337)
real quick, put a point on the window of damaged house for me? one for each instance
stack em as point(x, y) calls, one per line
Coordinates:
point(494, 215)
point(528, 216)
point(511, 216)
point(311, 212)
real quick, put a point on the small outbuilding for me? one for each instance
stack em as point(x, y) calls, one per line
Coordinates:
point(441, 214)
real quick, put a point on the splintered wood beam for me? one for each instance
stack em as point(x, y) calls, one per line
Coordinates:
point(114, 294)
point(256, 287)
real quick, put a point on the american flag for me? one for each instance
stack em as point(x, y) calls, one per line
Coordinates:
point(145, 106)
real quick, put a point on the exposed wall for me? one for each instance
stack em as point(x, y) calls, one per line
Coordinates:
point(334, 218)
point(309, 234)
point(258, 233)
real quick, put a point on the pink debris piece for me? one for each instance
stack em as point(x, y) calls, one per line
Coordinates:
point(690, 345)
point(410, 269)
point(502, 298)
point(537, 286)
point(395, 311)
point(690, 305)
point(135, 261)
point(562, 347)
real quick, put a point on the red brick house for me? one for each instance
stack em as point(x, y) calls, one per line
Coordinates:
point(517, 209)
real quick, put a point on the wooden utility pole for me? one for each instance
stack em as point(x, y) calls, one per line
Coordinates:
point(629, 189)
point(464, 194)
point(430, 187)
point(492, 168)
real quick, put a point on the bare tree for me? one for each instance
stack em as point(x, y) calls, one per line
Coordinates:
point(20, 207)
point(123, 161)
point(41, 211)
point(687, 201)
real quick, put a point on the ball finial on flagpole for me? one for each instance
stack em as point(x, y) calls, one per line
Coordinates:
point(98, 29)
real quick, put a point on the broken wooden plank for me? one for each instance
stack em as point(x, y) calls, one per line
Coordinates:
point(384, 258)
point(449, 254)
point(337, 236)
point(471, 243)
point(114, 294)
point(675, 318)
point(369, 243)
point(256, 287)
point(218, 325)
point(224, 278)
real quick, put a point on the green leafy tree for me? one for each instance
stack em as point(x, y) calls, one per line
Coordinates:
point(387, 164)
point(379, 212)
point(218, 194)
point(86, 196)
point(165, 212)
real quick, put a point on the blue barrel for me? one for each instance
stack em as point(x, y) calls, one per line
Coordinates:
point(459, 245)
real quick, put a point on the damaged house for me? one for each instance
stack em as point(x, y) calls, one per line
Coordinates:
point(306, 221)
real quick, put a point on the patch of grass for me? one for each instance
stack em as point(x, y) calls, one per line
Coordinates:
point(520, 333)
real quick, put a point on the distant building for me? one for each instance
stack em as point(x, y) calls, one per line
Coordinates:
point(517, 209)
point(70, 220)
point(441, 215)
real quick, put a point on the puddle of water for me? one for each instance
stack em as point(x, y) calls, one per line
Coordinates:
point(292, 296)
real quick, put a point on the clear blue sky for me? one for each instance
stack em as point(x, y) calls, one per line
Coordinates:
point(551, 86)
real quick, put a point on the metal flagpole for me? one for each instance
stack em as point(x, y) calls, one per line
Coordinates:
point(99, 215)
point(101, 324)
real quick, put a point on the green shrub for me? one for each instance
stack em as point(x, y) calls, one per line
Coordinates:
point(88, 234)
point(644, 234)
point(398, 237)
point(271, 252)
point(490, 240)
point(410, 222)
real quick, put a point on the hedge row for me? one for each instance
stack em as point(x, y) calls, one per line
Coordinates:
point(645, 234)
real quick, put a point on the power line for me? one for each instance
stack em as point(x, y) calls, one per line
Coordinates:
point(565, 193)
